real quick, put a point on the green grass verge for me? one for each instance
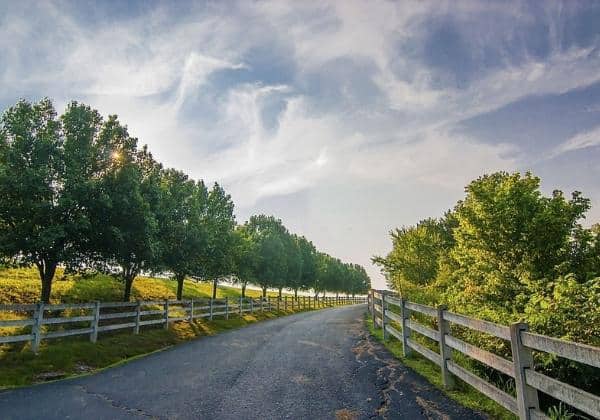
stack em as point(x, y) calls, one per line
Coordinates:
point(74, 356)
point(464, 394)
point(22, 285)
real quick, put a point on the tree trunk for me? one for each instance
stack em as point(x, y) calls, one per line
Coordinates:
point(316, 295)
point(243, 289)
point(296, 294)
point(280, 292)
point(47, 270)
point(214, 292)
point(264, 291)
point(179, 279)
point(128, 283)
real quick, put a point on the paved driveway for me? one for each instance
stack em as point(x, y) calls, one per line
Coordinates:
point(312, 365)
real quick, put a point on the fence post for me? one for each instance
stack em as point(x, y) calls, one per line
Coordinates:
point(373, 311)
point(445, 351)
point(226, 308)
point(251, 305)
point(405, 331)
point(37, 327)
point(166, 307)
point(210, 309)
point(383, 315)
point(285, 303)
point(94, 322)
point(191, 310)
point(136, 329)
point(527, 397)
point(262, 301)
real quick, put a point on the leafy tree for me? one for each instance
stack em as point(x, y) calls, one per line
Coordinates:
point(509, 237)
point(48, 168)
point(269, 234)
point(247, 258)
point(182, 233)
point(126, 240)
point(219, 220)
point(308, 255)
point(416, 252)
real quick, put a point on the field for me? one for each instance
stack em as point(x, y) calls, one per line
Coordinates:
point(23, 286)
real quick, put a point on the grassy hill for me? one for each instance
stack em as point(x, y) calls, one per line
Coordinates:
point(23, 286)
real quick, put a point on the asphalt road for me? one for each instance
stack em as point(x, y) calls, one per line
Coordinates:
point(313, 365)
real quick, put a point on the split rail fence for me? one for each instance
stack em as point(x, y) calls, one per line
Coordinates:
point(386, 308)
point(36, 322)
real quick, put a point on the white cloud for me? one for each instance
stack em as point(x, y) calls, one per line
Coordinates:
point(579, 141)
point(196, 70)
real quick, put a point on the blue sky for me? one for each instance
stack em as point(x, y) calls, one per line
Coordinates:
point(345, 119)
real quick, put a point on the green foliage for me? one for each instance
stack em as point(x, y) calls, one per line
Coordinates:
point(416, 251)
point(508, 253)
point(560, 412)
point(48, 170)
point(182, 231)
point(218, 259)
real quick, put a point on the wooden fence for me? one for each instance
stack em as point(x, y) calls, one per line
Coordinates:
point(386, 308)
point(36, 322)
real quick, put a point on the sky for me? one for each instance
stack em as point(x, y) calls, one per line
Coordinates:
point(345, 119)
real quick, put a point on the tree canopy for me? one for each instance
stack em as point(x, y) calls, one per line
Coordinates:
point(78, 191)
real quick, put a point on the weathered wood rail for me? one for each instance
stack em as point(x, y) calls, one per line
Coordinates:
point(46, 321)
point(528, 382)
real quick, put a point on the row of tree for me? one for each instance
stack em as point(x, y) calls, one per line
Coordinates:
point(77, 191)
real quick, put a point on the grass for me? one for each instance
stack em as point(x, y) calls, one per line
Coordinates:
point(463, 393)
point(73, 356)
point(23, 285)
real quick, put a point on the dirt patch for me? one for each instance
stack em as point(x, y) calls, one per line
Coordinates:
point(50, 376)
point(345, 414)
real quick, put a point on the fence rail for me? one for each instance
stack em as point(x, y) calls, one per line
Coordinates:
point(46, 321)
point(382, 307)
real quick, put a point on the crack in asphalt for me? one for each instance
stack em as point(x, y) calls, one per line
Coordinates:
point(391, 380)
point(386, 374)
point(115, 404)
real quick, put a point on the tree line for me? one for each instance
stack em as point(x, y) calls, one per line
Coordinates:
point(77, 191)
point(507, 253)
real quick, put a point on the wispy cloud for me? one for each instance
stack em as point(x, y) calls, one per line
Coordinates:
point(579, 141)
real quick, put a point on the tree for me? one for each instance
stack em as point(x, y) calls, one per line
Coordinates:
point(247, 258)
point(48, 169)
point(509, 238)
point(219, 220)
point(182, 233)
point(416, 252)
point(308, 256)
point(126, 240)
point(269, 234)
